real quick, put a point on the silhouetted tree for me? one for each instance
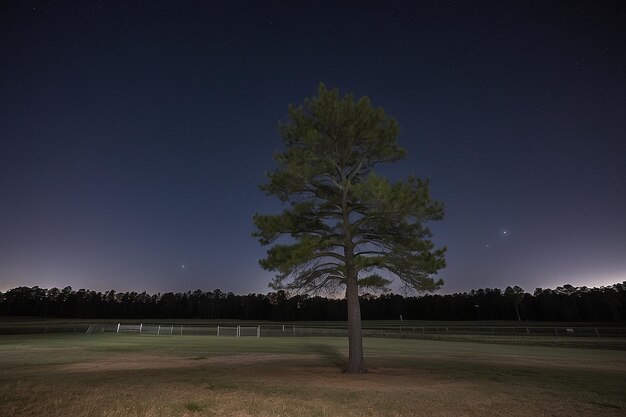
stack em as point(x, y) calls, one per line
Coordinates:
point(603, 304)
point(516, 295)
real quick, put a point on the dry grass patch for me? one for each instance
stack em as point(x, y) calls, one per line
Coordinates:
point(141, 361)
point(203, 376)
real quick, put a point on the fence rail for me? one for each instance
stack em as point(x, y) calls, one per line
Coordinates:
point(43, 329)
point(295, 330)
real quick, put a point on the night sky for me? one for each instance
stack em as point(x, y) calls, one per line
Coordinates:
point(133, 137)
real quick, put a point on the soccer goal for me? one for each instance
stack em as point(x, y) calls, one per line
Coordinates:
point(249, 331)
point(129, 328)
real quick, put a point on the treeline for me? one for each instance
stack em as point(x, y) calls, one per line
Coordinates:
point(566, 303)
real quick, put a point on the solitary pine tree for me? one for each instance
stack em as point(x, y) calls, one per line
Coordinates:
point(344, 223)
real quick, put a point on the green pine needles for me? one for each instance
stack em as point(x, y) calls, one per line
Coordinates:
point(340, 210)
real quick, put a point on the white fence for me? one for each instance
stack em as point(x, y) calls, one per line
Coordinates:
point(292, 330)
point(295, 330)
point(180, 330)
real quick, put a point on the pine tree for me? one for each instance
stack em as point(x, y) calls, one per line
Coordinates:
point(344, 224)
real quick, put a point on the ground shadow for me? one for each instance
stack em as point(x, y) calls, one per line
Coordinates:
point(330, 353)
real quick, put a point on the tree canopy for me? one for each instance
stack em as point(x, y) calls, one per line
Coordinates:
point(344, 224)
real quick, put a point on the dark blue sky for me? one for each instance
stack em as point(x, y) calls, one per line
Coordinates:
point(133, 136)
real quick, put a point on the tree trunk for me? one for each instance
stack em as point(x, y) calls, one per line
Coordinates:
point(517, 311)
point(356, 363)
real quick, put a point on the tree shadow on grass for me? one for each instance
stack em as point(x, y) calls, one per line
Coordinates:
point(330, 353)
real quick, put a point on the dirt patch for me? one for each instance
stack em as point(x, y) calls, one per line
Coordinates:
point(276, 369)
point(142, 361)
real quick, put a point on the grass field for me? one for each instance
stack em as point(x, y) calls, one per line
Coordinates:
point(139, 375)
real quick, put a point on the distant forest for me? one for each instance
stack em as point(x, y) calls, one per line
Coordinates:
point(566, 303)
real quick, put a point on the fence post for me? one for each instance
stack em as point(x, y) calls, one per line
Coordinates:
point(181, 329)
point(172, 330)
point(159, 331)
point(118, 328)
point(258, 332)
point(218, 330)
point(294, 331)
point(238, 331)
point(140, 327)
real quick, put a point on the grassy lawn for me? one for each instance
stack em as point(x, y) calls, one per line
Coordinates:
point(140, 375)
